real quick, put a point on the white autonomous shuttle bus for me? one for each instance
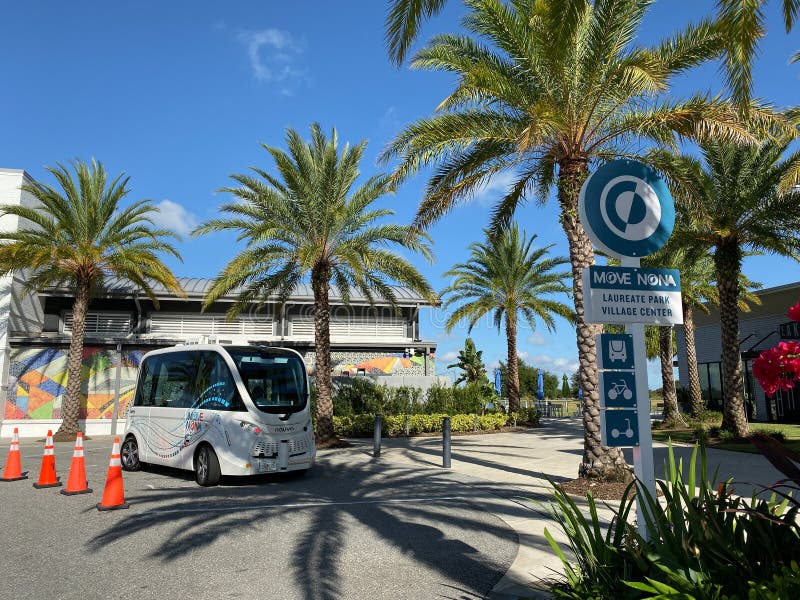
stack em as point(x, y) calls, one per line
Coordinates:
point(221, 410)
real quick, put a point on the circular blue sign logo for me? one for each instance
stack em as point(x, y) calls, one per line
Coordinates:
point(626, 209)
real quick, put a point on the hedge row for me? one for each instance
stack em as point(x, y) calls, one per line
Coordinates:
point(395, 425)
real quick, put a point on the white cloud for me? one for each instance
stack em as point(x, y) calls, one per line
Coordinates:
point(537, 339)
point(495, 364)
point(554, 364)
point(447, 356)
point(273, 54)
point(523, 356)
point(174, 217)
point(495, 188)
point(389, 120)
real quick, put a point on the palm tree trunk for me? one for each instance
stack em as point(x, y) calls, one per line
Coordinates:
point(598, 461)
point(728, 262)
point(71, 406)
point(695, 393)
point(672, 415)
point(320, 281)
point(513, 366)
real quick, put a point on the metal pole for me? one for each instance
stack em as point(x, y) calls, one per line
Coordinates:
point(475, 422)
point(643, 466)
point(408, 425)
point(116, 391)
point(446, 442)
point(376, 444)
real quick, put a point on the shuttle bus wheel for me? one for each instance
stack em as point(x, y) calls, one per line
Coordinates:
point(206, 466)
point(129, 454)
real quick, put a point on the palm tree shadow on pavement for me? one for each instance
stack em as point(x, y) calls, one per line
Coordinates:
point(336, 513)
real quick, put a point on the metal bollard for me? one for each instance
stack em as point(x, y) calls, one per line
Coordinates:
point(376, 444)
point(475, 422)
point(408, 425)
point(446, 443)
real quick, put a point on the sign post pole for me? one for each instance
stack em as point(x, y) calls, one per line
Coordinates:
point(628, 212)
point(643, 463)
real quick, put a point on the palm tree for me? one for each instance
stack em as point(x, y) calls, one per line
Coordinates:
point(562, 85)
point(506, 276)
point(80, 235)
point(470, 361)
point(403, 22)
point(698, 291)
point(738, 197)
point(742, 25)
point(309, 219)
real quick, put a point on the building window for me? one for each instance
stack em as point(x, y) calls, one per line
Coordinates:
point(101, 324)
point(187, 326)
point(710, 375)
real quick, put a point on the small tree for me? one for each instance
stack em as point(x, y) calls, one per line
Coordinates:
point(470, 361)
point(565, 391)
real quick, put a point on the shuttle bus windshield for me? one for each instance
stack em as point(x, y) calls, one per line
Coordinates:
point(276, 381)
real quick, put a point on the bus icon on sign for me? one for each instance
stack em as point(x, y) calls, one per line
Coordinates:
point(617, 351)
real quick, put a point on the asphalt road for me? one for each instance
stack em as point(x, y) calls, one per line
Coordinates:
point(352, 528)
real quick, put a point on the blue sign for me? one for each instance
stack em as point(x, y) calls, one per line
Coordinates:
point(626, 209)
point(618, 389)
point(615, 351)
point(619, 428)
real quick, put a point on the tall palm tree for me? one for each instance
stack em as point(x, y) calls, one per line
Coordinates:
point(558, 86)
point(739, 197)
point(79, 234)
point(470, 362)
point(506, 277)
point(310, 219)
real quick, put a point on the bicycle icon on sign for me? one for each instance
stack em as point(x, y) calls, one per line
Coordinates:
point(628, 433)
point(620, 389)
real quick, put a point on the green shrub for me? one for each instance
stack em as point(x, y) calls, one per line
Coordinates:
point(711, 416)
point(700, 435)
point(704, 542)
point(395, 425)
point(726, 436)
point(775, 434)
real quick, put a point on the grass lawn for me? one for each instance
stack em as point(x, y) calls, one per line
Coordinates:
point(791, 431)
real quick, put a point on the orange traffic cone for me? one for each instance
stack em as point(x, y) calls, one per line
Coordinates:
point(77, 482)
point(47, 474)
point(114, 494)
point(13, 470)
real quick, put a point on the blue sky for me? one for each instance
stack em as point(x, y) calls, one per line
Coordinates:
point(180, 94)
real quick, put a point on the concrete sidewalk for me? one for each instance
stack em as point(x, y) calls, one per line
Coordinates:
point(512, 469)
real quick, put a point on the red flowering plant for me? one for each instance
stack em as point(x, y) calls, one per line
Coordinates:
point(778, 368)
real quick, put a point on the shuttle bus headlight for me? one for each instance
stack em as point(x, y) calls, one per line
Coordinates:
point(246, 425)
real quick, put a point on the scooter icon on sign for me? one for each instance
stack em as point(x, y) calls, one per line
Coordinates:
point(628, 433)
point(620, 388)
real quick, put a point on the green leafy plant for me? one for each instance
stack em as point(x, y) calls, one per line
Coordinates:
point(704, 541)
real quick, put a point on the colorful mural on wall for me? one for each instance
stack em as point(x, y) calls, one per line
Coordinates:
point(37, 382)
point(397, 364)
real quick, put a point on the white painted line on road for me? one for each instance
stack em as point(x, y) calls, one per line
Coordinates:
point(307, 504)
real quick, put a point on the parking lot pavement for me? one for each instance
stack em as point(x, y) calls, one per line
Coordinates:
point(352, 528)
